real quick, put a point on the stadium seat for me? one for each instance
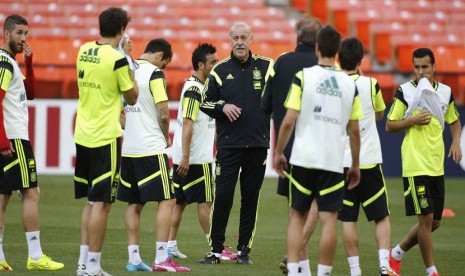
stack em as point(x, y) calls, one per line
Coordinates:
point(338, 11)
point(380, 39)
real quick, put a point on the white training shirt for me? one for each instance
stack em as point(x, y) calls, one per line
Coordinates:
point(143, 135)
point(15, 113)
point(370, 145)
point(326, 106)
point(203, 133)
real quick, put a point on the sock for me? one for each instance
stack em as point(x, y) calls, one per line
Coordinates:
point(207, 236)
point(305, 268)
point(430, 270)
point(173, 245)
point(324, 270)
point(293, 269)
point(83, 251)
point(33, 245)
point(161, 252)
point(354, 265)
point(397, 253)
point(2, 255)
point(93, 262)
point(134, 255)
point(383, 258)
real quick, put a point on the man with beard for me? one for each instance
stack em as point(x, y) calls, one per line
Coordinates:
point(17, 162)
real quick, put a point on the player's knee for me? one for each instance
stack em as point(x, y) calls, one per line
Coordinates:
point(436, 224)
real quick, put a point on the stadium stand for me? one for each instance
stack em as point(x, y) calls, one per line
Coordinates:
point(388, 29)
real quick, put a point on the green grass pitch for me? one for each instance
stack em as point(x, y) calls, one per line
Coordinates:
point(60, 233)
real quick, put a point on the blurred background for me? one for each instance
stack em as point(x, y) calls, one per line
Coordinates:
point(389, 30)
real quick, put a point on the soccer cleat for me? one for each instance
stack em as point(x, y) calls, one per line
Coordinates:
point(169, 266)
point(283, 266)
point(143, 266)
point(81, 270)
point(4, 266)
point(435, 274)
point(395, 264)
point(228, 255)
point(384, 271)
point(45, 263)
point(243, 260)
point(98, 273)
point(210, 258)
point(176, 254)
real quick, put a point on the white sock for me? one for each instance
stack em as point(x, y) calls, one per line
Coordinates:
point(93, 262)
point(173, 245)
point(397, 253)
point(305, 268)
point(83, 251)
point(2, 255)
point(161, 252)
point(324, 270)
point(383, 258)
point(430, 270)
point(354, 265)
point(207, 236)
point(293, 269)
point(134, 255)
point(33, 245)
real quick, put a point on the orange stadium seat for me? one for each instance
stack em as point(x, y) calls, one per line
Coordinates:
point(338, 11)
point(317, 8)
point(380, 39)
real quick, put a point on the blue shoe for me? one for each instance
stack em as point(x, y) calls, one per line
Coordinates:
point(143, 266)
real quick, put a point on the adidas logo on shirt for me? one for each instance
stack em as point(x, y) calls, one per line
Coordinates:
point(329, 87)
point(229, 77)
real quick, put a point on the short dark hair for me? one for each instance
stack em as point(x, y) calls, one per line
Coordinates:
point(200, 54)
point(423, 52)
point(350, 53)
point(112, 20)
point(159, 45)
point(307, 29)
point(328, 41)
point(12, 20)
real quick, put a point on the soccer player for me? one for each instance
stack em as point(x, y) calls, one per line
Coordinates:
point(273, 98)
point(193, 149)
point(17, 162)
point(421, 107)
point(233, 98)
point(371, 193)
point(103, 76)
point(323, 98)
point(145, 172)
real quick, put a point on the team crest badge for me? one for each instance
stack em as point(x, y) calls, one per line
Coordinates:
point(217, 169)
point(257, 75)
point(33, 176)
point(423, 203)
point(31, 163)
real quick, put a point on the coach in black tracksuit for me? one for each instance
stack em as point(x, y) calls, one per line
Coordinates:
point(233, 96)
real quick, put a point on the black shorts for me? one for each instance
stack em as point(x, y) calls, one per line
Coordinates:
point(197, 186)
point(18, 172)
point(97, 172)
point(424, 195)
point(306, 184)
point(371, 194)
point(145, 179)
